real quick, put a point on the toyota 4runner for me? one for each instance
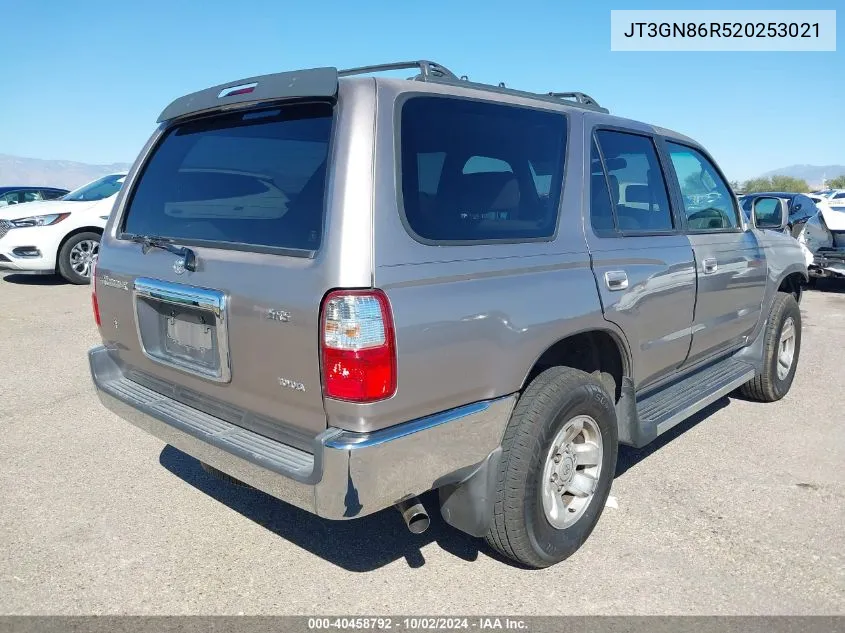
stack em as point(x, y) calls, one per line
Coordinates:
point(347, 290)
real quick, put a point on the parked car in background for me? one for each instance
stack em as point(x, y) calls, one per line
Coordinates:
point(801, 207)
point(830, 194)
point(836, 200)
point(347, 291)
point(822, 239)
point(20, 195)
point(58, 236)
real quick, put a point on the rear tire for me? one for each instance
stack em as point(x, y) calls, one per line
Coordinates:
point(779, 364)
point(76, 257)
point(536, 521)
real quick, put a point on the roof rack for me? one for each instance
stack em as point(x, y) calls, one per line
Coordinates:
point(438, 73)
point(579, 97)
point(428, 69)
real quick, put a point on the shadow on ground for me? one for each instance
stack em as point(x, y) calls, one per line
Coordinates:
point(630, 457)
point(377, 540)
point(34, 280)
point(360, 545)
point(836, 286)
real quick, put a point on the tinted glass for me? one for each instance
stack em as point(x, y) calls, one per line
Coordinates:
point(601, 212)
point(50, 194)
point(11, 197)
point(637, 187)
point(474, 171)
point(429, 168)
point(256, 179)
point(98, 190)
point(32, 196)
point(708, 202)
point(767, 212)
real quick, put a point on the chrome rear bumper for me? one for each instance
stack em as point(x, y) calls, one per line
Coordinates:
point(348, 475)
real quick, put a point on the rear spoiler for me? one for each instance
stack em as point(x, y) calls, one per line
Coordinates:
point(316, 82)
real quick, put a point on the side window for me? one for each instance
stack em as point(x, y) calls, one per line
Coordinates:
point(429, 167)
point(49, 194)
point(12, 197)
point(542, 175)
point(32, 196)
point(473, 171)
point(488, 167)
point(635, 179)
point(601, 213)
point(708, 202)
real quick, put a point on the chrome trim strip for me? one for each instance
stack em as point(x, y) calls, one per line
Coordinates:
point(176, 294)
point(181, 295)
point(348, 440)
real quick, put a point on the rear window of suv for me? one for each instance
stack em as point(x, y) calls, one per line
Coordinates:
point(474, 171)
point(253, 179)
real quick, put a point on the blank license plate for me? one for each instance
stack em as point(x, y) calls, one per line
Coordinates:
point(189, 335)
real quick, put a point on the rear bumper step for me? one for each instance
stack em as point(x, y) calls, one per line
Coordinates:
point(348, 474)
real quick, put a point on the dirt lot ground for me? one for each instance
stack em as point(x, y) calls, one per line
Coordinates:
point(739, 510)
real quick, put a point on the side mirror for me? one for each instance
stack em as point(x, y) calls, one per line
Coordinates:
point(770, 213)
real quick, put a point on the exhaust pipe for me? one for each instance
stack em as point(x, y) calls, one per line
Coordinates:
point(414, 514)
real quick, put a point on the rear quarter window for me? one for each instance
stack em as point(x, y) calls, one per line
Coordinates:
point(478, 172)
point(253, 179)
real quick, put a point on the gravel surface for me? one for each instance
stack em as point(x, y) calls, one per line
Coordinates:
point(737, 511)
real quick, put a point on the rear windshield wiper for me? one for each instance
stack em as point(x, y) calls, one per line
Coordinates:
point(165, 243)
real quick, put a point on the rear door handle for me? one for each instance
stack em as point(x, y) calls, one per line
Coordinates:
point(616, 279)
point(709, 264)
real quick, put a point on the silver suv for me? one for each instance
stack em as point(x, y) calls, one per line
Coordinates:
point(347, 291)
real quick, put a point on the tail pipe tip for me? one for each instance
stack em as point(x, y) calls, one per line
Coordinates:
point(414, 514)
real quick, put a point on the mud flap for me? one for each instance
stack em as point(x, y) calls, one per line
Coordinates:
point(468, 504)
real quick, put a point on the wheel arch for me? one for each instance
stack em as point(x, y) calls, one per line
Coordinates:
point(596, 349)
point(793, 280)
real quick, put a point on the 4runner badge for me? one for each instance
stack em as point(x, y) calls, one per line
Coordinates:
point(114, 283)
point(291, 384)
point(179, 266)
point(282, 316)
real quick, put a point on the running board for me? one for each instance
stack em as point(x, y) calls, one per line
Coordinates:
point(663, 409)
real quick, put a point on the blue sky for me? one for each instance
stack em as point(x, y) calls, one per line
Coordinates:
point(88, 79)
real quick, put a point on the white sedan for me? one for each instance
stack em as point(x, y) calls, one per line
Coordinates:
point(58, 236)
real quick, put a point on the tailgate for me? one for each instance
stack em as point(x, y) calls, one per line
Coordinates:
point(238, 336)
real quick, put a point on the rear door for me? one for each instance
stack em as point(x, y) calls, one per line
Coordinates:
point(238, 336)
point(730, 263)
point(642, 261)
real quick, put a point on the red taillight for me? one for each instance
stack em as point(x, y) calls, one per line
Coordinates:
point(358, 346)
point(94, 304)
